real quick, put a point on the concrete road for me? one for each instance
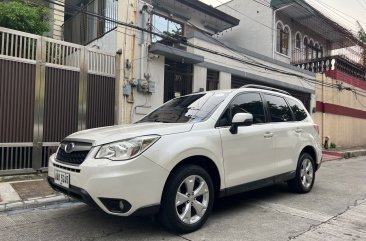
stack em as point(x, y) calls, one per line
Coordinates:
point(334, 210)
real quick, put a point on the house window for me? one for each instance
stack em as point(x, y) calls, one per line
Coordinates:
point(316, 53)
point(283, 39)
point(298, 41)
point(310, 49)
point(166, 27)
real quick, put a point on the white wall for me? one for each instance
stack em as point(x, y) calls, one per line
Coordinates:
point(254, 31)
point(108, 42)
point(199, 78)
point(145, 103)
point(224, 81)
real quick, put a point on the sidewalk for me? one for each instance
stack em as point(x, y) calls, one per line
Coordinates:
point(33, 191)
point(30, 191)
point(339, 153)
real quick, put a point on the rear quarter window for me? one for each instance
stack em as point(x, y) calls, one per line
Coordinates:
point(298, 110)
point(278, 109)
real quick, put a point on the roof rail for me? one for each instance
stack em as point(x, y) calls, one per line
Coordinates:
point(266, 88)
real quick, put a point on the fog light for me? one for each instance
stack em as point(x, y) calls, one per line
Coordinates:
point(116, 205)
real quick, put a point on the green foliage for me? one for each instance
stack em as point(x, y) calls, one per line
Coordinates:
point(333, 145)
point(22, 16)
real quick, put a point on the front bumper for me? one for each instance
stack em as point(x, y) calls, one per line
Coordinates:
point(73, 192)
point(139, 181)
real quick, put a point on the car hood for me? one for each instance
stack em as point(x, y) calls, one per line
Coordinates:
point(103, 135)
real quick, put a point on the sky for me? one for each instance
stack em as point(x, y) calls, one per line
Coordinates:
point(344, 12)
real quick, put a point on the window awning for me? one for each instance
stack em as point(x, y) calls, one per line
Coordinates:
point(176, 54)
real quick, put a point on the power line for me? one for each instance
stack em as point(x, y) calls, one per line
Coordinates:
point(266, 67)
point(245, 15)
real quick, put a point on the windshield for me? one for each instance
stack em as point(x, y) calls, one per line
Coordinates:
point(189, 108)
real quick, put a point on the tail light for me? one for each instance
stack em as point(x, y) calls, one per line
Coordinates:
point(316, 127)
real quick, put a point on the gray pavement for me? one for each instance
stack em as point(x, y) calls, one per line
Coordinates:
point(334, 210)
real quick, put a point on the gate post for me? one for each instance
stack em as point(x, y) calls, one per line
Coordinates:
point(83, 64)
point(118, 88)
point(39, 103)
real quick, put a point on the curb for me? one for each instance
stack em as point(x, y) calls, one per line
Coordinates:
point(35, 203)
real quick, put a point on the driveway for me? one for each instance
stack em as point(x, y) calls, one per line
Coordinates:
point(334, 210)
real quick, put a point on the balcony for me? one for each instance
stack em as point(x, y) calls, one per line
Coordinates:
point(319, 62)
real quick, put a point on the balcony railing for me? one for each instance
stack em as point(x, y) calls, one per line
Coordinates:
point(317, 62)
point(336, 62)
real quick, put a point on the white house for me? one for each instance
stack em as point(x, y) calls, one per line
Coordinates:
point(217, 51)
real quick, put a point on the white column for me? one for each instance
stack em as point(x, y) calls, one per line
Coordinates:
point(127, 43)
point(58, 20)
point(199, 78)
point(224, 81)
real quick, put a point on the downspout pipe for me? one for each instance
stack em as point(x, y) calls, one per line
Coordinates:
point(274, 27)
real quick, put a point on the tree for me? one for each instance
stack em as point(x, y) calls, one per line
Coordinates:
point(22, 16)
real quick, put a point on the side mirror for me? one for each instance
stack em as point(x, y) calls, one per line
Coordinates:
point(240, 119)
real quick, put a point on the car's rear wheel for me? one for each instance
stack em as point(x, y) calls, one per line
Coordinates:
point(305, 174)
point(187, 200)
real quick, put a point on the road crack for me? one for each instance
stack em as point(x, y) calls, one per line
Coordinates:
point(356, 203)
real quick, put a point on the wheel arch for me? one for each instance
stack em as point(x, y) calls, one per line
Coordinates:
point(312, 152)
point(204, 162)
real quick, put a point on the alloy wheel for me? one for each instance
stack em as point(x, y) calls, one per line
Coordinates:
point(306, 173)
point(192, 199)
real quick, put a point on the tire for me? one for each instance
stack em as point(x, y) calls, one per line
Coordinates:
point(180, 211)
point(305, 174)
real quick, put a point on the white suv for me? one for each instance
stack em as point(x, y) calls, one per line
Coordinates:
point(178, 159)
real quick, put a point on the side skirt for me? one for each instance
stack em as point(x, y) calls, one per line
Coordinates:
point(257, 184)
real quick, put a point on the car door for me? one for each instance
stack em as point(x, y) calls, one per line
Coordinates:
point(248, 155)
point(285, 133)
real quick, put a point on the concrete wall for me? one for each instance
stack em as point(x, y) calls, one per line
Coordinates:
point(343, 130)
point(108, 42)
point(254, 31)
point(145, 103)
point(239, 68)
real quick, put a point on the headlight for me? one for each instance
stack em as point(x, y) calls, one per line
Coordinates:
point(126, 149)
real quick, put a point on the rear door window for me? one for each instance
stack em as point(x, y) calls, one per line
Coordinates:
point(278, 109)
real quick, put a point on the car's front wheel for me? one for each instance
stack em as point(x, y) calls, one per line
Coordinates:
point(305, 174)
point(187, 200)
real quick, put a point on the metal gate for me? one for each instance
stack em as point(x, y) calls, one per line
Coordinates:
point(212, 81)
point(49, 89)
point(177, 79)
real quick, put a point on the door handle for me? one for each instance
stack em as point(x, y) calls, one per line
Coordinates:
point(268, 134)
point(298, 130)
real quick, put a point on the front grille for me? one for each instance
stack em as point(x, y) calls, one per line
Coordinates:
point(67, 168)
point(75, 157)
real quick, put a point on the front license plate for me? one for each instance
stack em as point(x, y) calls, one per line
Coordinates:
point(62, 179)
